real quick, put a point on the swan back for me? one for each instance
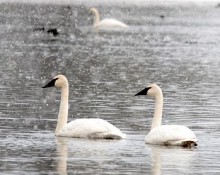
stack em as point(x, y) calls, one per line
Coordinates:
point(111, 23)
point(91, 128)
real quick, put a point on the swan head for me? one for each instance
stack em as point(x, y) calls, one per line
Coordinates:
point(59, 81)
point(152, 90)
point(93, 10)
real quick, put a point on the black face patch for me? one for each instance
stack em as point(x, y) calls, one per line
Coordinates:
point(51, 83)
point(143, 92)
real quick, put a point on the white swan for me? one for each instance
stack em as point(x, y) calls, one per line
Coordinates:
point(166, 134)
point(107, 23)
point(80, 128)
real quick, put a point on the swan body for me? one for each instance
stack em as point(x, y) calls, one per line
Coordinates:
point(107, 23)
point(110, 22)
point(84, 128)
point(80, 128)
point(175, 135)
point(170, 135)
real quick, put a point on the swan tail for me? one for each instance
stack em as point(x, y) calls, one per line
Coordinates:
point(182, 143)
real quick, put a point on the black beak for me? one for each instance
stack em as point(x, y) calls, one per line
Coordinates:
point(143, 92)
point(51, 83)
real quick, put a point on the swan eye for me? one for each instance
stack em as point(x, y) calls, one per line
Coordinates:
point(51, 83)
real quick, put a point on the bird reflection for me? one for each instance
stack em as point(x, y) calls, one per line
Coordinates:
point(70, 149)
point(63, 155)
point(169, 157)
point(156, 160)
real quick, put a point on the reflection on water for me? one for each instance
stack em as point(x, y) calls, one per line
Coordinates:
point(162, 159)
point(63, 155)
point(167, 158)
point(178, 52)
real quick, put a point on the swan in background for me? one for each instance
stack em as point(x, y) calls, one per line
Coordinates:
point(107, 23)
point(176, 135)
point(80, 128)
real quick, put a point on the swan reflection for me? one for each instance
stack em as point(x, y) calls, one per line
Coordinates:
point(63, 155)
point(170, 159)
point(87, 151)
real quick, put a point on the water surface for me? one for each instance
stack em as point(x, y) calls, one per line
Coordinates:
point(180, 53)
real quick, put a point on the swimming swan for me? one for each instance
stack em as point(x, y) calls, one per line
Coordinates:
point(166, 134)
point(80, 128)
point(106, 23)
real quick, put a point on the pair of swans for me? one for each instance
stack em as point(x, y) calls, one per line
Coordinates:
point(100, 129)
point(107, 23)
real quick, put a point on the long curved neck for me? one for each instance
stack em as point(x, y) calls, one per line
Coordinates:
point(97, 17)
point(63, 111)
point(157, 111)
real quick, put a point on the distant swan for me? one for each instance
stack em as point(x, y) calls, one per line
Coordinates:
point(107, 23)
point(80, 128)
point(166, 134)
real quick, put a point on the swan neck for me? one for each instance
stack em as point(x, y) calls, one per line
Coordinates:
point(63, 111)
point(158, 111)
point(97, 18)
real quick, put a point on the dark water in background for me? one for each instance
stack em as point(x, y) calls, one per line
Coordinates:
point(180, 53)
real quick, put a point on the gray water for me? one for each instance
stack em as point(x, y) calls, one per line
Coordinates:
point(180, 53)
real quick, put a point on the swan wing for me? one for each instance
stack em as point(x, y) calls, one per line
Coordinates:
point(91, 128)
point(109, 23)
point(170, 135)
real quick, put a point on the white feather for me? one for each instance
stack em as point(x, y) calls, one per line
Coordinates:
point(107, 23)
point(91, 128)
point(170, 135)
point(81, 128)
point(165, 134)
point(111, 23)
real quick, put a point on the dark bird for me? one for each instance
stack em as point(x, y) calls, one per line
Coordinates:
point(53, 31)
point(162, 16)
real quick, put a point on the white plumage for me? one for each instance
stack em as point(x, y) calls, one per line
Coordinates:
point(110, 22)
point(81, 128)
point(91, 128)
point(166, 134)
point(170, 135)
point(107, 23)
